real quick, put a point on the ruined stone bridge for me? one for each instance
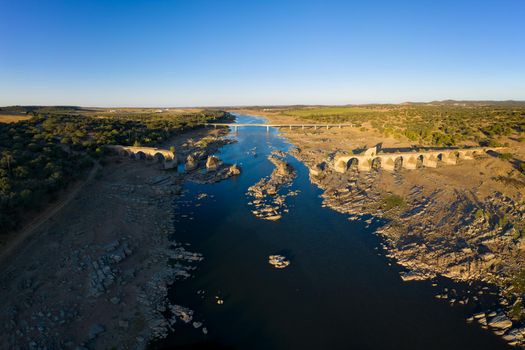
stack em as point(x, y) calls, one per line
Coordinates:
point(407, 160)
point(164, 156)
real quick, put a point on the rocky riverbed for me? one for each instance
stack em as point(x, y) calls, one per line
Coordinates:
point(270, 193)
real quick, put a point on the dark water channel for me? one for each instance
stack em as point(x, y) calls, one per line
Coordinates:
point(338, 293)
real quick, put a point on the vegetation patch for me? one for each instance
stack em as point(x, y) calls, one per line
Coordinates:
point(506, 156)
point(393, 201)
point(436, 124)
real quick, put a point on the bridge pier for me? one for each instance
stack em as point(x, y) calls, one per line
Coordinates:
point(449, 158)
point(429, 163)
point(466, 155)
point(364, 165)
point(341, 166)
point(388, 164)
point(410, 164)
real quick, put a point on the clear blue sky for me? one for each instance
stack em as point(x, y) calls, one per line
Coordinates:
point(211, 52)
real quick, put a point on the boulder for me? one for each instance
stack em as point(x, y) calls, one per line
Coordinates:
point(317, 169)
point(212, 163)
point(500, 321)
point(191, 163)
point(234, 170)
point(278, 261)
point(273, 217)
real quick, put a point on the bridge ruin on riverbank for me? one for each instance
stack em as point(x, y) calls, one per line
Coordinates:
point(166, 157)
point(372, 158)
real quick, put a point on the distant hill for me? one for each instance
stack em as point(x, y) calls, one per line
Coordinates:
point(77, 109)
point(507, 103)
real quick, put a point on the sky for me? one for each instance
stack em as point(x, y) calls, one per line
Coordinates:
point(259, 52)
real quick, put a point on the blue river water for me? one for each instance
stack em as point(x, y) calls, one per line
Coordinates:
point(340, 291)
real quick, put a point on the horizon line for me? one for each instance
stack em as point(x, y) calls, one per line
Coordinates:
point(273, 105)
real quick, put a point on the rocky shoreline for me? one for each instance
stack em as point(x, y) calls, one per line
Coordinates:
point(444, 232)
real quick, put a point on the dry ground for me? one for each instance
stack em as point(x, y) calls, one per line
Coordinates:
point(13, 118)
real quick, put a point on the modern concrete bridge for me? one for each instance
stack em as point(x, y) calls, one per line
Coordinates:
point(164, 156)
point(235, 126)
point(408, 160)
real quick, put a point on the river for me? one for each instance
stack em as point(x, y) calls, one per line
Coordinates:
point(340, 291)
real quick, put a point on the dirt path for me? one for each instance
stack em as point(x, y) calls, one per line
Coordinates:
point(24, 234)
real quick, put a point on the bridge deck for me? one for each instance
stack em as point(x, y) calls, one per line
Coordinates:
point(277, 125)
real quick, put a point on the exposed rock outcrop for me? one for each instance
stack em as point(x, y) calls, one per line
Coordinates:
point(268, 201)
point(213, 163)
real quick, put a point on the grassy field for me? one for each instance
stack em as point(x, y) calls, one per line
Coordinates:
point(13, 118)
point(330, 111)
point(441, 124)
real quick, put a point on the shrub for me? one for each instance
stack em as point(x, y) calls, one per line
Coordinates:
point(479, 213)
point(519, 283)
point(517, 312)
point(506, 156)
point(393, 201)
point(503, 221)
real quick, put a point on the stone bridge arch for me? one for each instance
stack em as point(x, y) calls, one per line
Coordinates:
point(448, 157)
point(430, 160)
point(345, 163)
point(159, 157)
point(410, 161)
point(388, 163)
point(140, 155)
point(166, 157)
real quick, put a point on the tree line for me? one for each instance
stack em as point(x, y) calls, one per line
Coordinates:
point(42, 155)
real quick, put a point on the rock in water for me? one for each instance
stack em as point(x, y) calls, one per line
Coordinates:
point(234, 170)
point(272, 217)
point(278, 261)
point(212, 163)
point(191, 163)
